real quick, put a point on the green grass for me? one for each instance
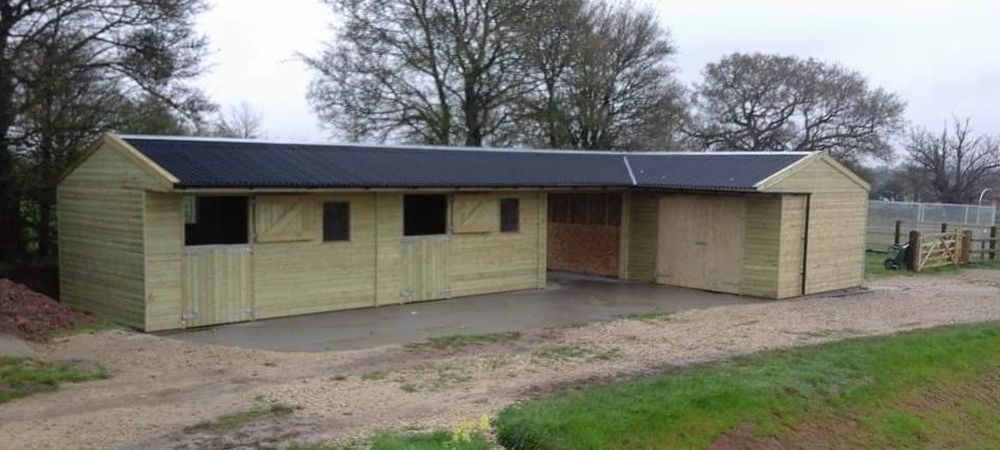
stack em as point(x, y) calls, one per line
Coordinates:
point(652, 316)
point(85, 328)
point(236, 420)
point(374, 375)
point(860, 381)
point(874, 267)
point(464, 340)
point(21, 377)
point(415, 440)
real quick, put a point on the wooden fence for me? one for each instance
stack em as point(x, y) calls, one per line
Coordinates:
point(929, 250)
point(883, 233)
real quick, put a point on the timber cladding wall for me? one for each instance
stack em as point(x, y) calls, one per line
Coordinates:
point(101, 236)
point(837, 214)
point(643, 232)
point(293, 271)
point(686, 241)
point(123, 220)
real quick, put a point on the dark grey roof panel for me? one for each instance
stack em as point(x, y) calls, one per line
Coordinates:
point(251, 164)
point(709, 171)
point(221, 163)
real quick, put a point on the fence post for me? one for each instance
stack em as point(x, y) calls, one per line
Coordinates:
point(944, 227)
point(913, 253)
point(965, 250)
point(993, 243)
point(899, 229)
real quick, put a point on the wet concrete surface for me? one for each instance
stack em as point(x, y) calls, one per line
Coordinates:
point(569, 299)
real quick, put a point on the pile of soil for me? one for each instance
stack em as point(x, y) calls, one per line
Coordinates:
point(33, 316)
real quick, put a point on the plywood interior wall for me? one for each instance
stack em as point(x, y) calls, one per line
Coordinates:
point(583, 248)
point(584, 233)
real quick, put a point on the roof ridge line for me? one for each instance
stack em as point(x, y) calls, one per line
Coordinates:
point(629, 168)
point(445, 147)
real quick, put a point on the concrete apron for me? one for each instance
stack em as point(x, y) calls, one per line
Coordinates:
point(569, 299)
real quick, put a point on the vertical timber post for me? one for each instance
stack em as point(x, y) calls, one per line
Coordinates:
point(913, 253)
point(964, 250)
point(993, 243)
point(896, 234)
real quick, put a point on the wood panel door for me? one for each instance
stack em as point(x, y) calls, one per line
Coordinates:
point(701, 242)
point(217, 285)
point(426, 269)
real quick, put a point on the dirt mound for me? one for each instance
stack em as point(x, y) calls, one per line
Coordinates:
point(32, 316)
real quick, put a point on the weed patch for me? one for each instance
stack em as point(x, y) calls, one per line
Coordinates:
point(464, 340)
point(411, 440)
point(438, 378)
point(21, 377)
point(375, 375)
point(236, 420)
point(652, 316)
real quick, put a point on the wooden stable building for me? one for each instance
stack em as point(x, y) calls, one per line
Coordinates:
point(168, 232)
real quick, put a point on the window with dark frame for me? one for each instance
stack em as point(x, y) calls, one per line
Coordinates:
point(218, 220)
point(510, 215)
point(336, 221)
point(425, 214)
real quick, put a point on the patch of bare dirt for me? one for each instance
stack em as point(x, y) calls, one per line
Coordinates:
point(33, 316)
point(160, 386)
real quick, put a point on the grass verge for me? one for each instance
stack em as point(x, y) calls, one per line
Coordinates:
point(861, 381)
point(464, 340)
point(21, 377)
point(236, 420)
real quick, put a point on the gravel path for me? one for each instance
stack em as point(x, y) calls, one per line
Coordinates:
point(160, 386)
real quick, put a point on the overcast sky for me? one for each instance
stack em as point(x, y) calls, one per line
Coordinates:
point(942, 57)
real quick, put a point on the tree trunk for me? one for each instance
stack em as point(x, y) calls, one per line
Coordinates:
point(44, 226)
point(11, 239)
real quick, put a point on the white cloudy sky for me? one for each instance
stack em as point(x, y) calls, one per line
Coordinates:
point(942, 56)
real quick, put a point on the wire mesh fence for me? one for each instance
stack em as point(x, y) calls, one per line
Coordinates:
point(925, 218)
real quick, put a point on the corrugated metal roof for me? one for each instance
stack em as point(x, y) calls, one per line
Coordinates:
point(712, 171)
point(199, 162)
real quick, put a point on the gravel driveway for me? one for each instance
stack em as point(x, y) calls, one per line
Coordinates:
point(160, 386)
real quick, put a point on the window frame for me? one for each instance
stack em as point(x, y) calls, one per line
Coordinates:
point(444, 218)
point(347, 219)
point(198, 206)
point(517, 215)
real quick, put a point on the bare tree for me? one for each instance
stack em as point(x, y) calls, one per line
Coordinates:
point(550, 47)
point(956, 164)
point(139, 48)
point(430, 71)
point(620, 87)
point(239, 121)
point(771, 102)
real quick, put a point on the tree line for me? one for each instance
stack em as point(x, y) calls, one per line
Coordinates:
point(577, 74)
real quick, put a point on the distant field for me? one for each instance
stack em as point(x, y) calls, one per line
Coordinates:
point(937, 388)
